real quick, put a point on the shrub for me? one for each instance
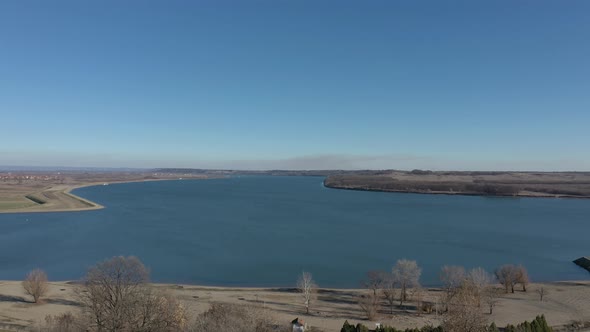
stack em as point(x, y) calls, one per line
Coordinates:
point(347, 327)
point(225, 317)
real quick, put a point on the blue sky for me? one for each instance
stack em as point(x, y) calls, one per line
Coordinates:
point(482, 85)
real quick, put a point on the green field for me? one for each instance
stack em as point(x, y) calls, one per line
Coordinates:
point(15, 203)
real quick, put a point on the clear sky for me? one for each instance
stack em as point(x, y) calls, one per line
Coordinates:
point(482, 85)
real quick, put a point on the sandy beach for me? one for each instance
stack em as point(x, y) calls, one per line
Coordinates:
point(565, 302)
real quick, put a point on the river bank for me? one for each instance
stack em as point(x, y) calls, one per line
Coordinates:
point(564, 303)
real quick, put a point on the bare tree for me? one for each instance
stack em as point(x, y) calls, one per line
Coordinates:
point(522, 276)
point(116, 297)
point(418, 296)
point(451, 277)
point(407, 275)
point(35, 284)
point(465, 316)
point(111, 291)
point(507, 276)
point(542, 292)
point(480, 279)
point(374, 281)
point(491, 295)
point(369, 304)
point(160, 312)
point(307, 288)
point(389, 291)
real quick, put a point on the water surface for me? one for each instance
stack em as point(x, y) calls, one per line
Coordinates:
point(263, 231)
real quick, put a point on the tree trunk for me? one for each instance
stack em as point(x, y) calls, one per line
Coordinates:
point(402, 296)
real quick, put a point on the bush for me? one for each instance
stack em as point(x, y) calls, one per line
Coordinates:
point(347, 327)
point(223, 317)
point(361, 328)
point(539, 324)
point(65, 322)
point(493, 328)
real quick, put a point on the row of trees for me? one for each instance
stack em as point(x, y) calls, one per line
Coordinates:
point(539, 324)
point(383, 285)
point(464, 292)
point(405, 275)
point(347, 327)
point(512, 275)
point(461, 287)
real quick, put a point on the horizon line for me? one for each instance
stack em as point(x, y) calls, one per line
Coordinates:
point(21, 168)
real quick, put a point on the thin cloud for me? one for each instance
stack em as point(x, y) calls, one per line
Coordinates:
point(321, 162)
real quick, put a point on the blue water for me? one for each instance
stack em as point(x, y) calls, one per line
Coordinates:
point(263, 231)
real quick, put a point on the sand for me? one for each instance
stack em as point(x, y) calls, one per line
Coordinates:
point(566, 302)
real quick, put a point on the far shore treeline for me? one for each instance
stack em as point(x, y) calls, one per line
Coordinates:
point(529, 184)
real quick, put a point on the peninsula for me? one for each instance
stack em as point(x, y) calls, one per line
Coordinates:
point(50, 191)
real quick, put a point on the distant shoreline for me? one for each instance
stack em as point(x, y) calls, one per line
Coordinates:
point(55, 195)
point(451, 193)
point(487, 184)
